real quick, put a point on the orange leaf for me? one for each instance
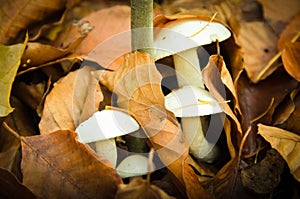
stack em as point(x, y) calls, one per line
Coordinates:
point(291, 59)
point(58, 166)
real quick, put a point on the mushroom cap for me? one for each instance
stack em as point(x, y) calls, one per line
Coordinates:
point(133, 165)
point(191, 101)
point(106, 124)
point(183, 34)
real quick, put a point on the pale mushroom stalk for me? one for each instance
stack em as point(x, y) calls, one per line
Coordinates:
point(188, 73)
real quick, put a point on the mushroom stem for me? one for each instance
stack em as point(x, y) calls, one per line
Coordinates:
point(188, 72)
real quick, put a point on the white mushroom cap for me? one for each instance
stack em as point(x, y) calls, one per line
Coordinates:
point(134, 165)
point(191, 101)
point(106, 124)
point(183, 34)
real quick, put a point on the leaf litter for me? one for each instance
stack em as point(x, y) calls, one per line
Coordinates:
point(260, 81)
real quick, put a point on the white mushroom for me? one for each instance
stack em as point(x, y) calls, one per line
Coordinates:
point(102, 128)
point(133, 165)
point(181, 38)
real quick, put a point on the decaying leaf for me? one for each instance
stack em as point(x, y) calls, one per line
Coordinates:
point(56, 165)
point(137, 84)
point(72, 100)
point(291, 59)
point(286, 143)
point(10, 58)
point(12, 188)
point(139, 188)
point(16, 16)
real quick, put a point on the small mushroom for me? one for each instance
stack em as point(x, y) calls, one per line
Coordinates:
point(191, 101)
point(101, 129)
point(106, 124)
point(181, 38)
point(133, 165)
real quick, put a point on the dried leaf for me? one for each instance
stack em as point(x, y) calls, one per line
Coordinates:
point(12, 22)
point(285, 108)
point(215, 81)
point(21, 121)
point(286, 143)
point(137, 84)
point(139, 188)
point(293, 121)
point(37, 53)
point(66, 168)
point(31, 94)
point(289, 32)
point(258, 47)
point(278, 13)
point(10, 58)
point(98, 45)
point(72, 100)
point(12, 188)
point(291, 59)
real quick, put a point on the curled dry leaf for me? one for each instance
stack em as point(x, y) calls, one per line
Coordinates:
point(56, 165)
point(10, 58)
point(216, 77)
point(291, 59)
point(285, 108)
point(13, 188)
point(138, 86)
point(17, 15)
point(72, 100)
point(286, 143)
point(139, 188)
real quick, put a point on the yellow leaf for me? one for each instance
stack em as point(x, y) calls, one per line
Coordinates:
point(10, 58)
point(286, 143)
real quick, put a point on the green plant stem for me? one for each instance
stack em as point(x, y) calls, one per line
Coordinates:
point(142, 26)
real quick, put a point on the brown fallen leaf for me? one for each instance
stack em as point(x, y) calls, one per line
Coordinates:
point(291, 59)
point(21, 120)
point(96, 46)
point(216, 77)
point(56, 165)
point(37, 53)
point(291, 123)
point(13, 188)
point(289, 32)
point(258, 47)
point(285, 108)
point(72, 100)
point(139, 188)
point(265, 97)
point(278, 13)
point(17, 15)
point(286, 143)
point(137, 84)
